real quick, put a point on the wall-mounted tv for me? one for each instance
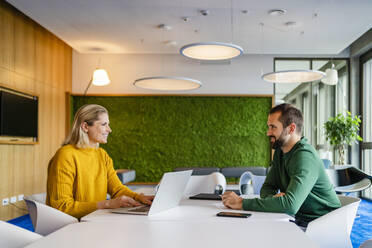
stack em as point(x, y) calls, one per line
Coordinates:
point(18, 115)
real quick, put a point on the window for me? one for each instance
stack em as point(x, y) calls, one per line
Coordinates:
point(317, 101)
point(366, 110)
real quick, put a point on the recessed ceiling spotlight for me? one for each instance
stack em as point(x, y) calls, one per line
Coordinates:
point(96, 49)
point(170, 43)
point(292, 24)
point(244, 11)
point(185, 19)
point(164, 27)
point(277, 12)
point(204, 12)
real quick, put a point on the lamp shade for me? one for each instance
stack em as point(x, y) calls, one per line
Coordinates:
point(100, 77)
point(211, 51)
point(163, 83)
point(331, 77)
point(293, 76)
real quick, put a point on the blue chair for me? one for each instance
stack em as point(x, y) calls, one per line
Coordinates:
point(248, 179)
point(327, 163)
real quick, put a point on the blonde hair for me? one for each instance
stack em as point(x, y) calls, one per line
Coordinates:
point(88, 113)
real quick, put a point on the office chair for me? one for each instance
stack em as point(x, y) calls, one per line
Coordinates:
point(199, 171)
point(238, 171)
point(327, 163)
point(256, 182)
point(46, 219)
point(205, 184)
point(333, 229)
point(12, 236)
point(348, 179)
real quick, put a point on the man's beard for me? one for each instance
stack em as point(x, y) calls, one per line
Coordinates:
point(278, 143)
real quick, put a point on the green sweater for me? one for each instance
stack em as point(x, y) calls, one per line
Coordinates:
point(300, 174)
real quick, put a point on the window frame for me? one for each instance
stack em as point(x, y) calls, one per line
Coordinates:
point(363, 144)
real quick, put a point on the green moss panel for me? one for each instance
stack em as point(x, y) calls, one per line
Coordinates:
point(154, 134)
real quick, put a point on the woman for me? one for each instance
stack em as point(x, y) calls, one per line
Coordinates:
point(81, 174)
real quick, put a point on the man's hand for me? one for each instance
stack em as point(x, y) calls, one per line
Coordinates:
point(279, 194)
point(121, 201)
point(145, 199)
point(232, 200)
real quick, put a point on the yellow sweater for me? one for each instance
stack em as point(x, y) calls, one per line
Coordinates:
point(79, 178)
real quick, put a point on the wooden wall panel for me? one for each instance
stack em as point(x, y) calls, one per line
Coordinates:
point(24, 46)
point(6, 39)
point(34, 61)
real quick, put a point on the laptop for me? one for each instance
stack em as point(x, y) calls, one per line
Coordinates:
point(206, 196)
point(210, 196)
point(171, 189)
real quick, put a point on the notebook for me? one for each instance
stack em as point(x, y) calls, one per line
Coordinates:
point(169, 194)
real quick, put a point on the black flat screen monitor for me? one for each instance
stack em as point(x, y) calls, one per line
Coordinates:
point(18, 115)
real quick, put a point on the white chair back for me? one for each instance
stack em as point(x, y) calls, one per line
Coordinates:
point(205, 184)
point(333, 229)
point(12, 236)
point(257, 182)
point(46, 219)
point(40, 197)
point(351, 204)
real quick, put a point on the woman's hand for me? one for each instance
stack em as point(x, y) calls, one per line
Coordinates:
point(145, 199)
point(121, 201)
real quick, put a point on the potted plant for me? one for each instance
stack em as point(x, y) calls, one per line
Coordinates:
point(342, 130)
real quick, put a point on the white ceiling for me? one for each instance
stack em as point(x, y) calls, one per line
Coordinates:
point(130, 26)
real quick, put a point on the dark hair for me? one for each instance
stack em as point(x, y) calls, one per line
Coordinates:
point(289, 114)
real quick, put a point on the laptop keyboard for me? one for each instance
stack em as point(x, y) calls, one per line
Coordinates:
point(140, 209)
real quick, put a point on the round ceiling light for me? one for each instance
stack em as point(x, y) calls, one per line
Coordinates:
point(211, 51)
point(164, 83)
point(293, 76)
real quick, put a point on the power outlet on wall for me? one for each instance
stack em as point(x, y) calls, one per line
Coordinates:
point(13, 199)
point(20, 197)
point(5, 201)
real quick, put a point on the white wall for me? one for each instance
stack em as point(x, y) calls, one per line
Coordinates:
point(241, 76)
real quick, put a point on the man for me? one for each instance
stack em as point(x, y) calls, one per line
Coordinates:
point(297, 172)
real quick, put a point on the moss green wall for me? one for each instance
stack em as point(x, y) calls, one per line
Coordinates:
point(154, 134)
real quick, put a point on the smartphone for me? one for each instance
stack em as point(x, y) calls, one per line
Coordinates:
point(232, 214)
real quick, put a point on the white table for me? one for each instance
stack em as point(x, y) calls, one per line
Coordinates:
point(187, 211)
point(164, 234)
point(192, 224)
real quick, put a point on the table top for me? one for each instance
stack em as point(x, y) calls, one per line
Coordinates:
point(192, 224)
point(187, 211)
point(144, 234)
